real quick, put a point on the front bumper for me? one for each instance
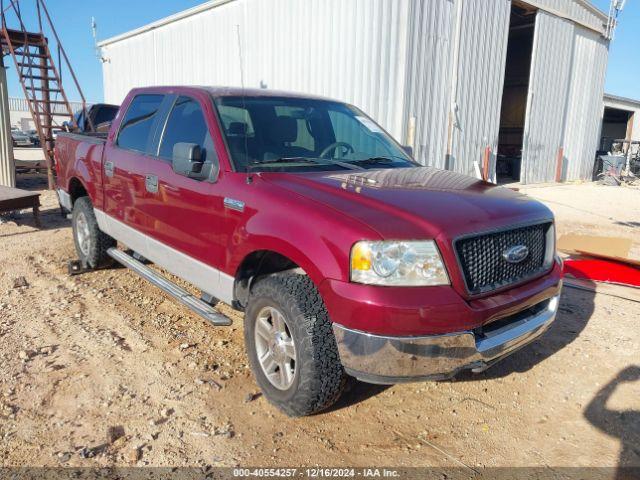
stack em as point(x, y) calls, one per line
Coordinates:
point(388, 360)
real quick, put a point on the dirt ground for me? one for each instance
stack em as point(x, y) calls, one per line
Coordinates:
point(102, 369)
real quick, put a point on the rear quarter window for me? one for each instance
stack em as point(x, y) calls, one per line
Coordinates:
point(138, 122)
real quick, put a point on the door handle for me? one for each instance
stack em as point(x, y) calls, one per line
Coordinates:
point(108, 169)
point(151, 183)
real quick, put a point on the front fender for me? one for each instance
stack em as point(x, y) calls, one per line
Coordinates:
point(316, 238)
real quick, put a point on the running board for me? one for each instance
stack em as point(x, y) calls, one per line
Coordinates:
point(196, 305)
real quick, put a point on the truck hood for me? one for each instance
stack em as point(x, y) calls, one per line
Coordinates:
point(414, 203)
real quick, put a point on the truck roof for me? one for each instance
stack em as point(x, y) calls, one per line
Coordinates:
point(222, 91)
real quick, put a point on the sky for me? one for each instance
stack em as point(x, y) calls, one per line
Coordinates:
point(72, 19)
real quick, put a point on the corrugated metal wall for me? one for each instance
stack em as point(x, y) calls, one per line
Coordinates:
point(429, 78)
point(584, 110)
point(548, 90)
point(576, 10)
point(484, 32)
point(352, 51)
point(130, 64)
point(392, 58)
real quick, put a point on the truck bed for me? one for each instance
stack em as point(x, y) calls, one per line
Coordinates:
point(78, 158)
point(95, 137)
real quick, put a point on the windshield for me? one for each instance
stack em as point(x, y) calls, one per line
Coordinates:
point(300, 134)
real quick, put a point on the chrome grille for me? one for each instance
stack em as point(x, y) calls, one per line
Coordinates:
point(482, 257)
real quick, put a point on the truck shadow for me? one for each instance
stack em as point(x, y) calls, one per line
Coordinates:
point(575, 310)
point(621, 424)
point(356, 392)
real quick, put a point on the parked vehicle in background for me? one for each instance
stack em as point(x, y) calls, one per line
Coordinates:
point(346, 257)
point(98, 118)
point(34, 137)
point(20, 139)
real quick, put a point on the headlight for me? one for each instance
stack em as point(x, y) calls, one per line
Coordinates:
point(409, 264)
point(550, 253)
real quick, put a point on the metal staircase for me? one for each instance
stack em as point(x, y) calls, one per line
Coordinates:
point(40, 77)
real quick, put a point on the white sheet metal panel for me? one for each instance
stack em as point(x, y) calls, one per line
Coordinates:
point(353, 51)
point(201, 49)
point(548, 89)
point(481, 63)
point(429, 78)
point(392, 58)
point(585, 108)
point(579, 11)
point(129, 64)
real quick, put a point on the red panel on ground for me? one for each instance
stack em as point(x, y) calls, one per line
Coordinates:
point(603, 271)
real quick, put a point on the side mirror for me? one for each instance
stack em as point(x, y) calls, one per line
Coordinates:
point(187, 160)
point(408, 149)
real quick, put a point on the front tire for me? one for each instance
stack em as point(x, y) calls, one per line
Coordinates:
point(291, 346)
point(91, 243)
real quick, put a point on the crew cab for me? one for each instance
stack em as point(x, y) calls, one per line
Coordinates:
point(346, 256)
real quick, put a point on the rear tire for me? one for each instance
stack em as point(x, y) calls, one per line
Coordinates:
point(304, 346)
point(91, 243)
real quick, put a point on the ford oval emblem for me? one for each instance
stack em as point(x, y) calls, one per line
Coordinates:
point(516, 254)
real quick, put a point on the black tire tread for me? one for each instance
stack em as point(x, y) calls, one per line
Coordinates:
point(322, 376)
point(101, 242)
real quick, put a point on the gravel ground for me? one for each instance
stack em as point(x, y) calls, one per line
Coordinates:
point(103, 370)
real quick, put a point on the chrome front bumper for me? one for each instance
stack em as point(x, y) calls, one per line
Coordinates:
point(389, 360)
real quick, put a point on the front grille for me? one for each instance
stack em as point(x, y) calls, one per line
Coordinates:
point(482, 257)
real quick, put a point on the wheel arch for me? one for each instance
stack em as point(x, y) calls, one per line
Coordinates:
point(259, 263)
point(76, 189)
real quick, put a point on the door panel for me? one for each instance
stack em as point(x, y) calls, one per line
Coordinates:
point(546, 105)
point(584, 110)
point(127, 163)
point(186, 214)
point(484, 33)
point(124, 186)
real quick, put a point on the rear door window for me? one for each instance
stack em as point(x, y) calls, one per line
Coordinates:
point(186, 124)
point(138, 122)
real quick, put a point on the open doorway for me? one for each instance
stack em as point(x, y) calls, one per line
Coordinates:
point(617, 124)
point(516, 90)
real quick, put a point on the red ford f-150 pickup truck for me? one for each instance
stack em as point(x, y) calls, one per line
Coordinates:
point(345, 255)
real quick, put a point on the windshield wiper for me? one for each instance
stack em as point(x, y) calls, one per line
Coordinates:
point(315, 161)
point(373, 160)
point(284, 160)
point(258, 163)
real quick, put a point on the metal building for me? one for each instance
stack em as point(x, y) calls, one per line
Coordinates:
point(513, 85)
point(621, 121)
